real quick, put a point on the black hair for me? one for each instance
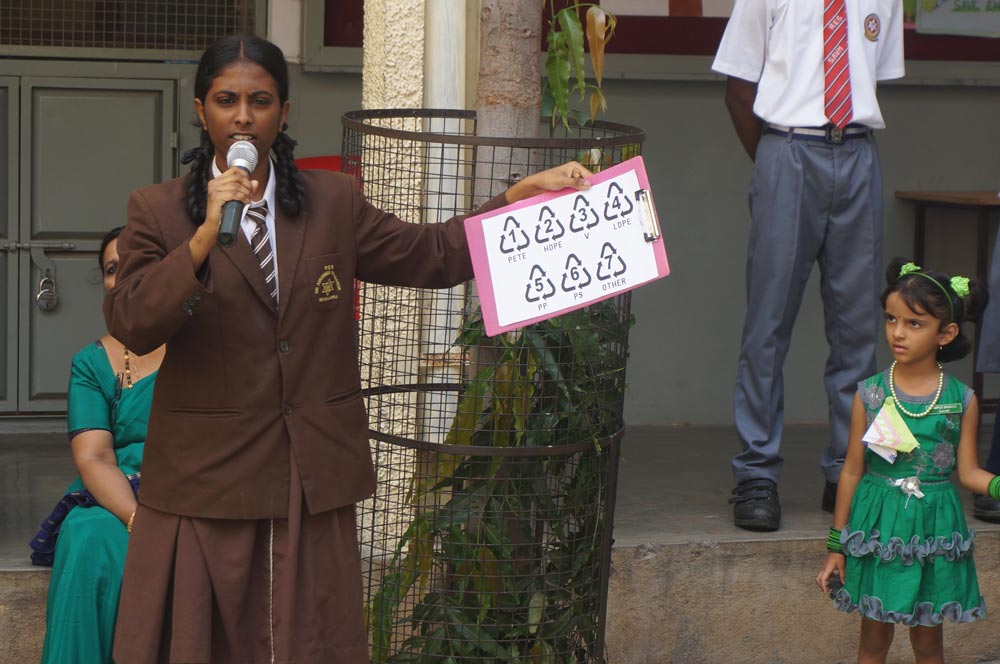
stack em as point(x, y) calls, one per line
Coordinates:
point(289, 190)
point(931, 292)
point(108, 237)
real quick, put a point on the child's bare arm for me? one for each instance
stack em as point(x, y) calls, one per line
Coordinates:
point(850, 475)
point(970, 475)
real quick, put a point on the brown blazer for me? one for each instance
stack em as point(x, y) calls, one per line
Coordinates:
point(240, 382)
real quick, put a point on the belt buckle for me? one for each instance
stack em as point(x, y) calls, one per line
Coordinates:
point(835, 135)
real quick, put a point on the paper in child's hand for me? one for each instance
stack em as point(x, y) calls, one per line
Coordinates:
point(888, 435)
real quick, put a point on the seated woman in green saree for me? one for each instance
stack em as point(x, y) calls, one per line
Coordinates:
point(85, 538)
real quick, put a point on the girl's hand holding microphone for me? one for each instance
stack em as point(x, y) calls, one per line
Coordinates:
point(233, 185)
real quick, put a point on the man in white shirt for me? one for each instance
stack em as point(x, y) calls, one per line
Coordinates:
point(801, 94)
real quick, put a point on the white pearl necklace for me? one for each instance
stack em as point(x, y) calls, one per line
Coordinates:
point(930, 406)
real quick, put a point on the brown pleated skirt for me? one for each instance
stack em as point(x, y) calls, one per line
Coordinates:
point(219, 591)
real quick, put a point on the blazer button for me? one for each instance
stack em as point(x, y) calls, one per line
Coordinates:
point(283, 345)
point(287, 408)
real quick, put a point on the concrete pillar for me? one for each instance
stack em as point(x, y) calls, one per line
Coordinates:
point(393, 75)
point(284, 27)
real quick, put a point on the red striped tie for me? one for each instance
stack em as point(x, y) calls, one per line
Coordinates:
point(836, 69)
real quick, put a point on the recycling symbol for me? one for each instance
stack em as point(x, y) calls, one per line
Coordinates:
point(576, 276)
point(584, 216)
point(513, 238)
point(549, 227)
point(611, 264)
point(616, 199)
point(539, 287)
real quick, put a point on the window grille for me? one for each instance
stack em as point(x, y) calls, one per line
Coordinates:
point(185, 25)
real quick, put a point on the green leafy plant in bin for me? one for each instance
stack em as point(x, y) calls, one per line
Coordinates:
point(501, 549)
point(565, 72)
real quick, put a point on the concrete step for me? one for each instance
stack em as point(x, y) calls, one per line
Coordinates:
point(686, 586)
point(756, 602)
point(698, 602)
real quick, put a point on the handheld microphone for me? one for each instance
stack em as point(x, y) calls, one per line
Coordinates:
point(244, 155)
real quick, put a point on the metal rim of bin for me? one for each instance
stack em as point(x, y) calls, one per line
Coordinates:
point(360, 121)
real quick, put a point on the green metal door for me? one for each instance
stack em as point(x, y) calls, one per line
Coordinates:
point(85, 143)
point(8, 230)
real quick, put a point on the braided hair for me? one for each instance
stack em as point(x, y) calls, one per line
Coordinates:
point(289, 190)
point(931, 292)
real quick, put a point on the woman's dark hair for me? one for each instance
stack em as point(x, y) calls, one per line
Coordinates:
point(108, 237)
point(931, 292)
point(289, 190)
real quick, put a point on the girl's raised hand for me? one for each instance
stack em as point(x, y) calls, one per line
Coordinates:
point(571, 174)
point(834, 563)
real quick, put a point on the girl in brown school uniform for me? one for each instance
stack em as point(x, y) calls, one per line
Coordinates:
point(244, 546)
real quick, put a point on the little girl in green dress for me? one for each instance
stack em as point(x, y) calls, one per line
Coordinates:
point(899, 540)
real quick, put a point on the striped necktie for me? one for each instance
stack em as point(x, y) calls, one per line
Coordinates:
point(261, 244)
point(836, 68)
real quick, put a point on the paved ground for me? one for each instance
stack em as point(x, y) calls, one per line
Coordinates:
point(674, 484)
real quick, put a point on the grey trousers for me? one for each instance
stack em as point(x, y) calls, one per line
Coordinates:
point(988, 356)
point(810, 202)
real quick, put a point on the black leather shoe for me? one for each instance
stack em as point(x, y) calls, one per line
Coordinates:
point(829, 496)
point(755, 505)
point(985, 508)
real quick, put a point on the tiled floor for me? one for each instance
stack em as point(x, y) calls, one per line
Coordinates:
point(673, 486)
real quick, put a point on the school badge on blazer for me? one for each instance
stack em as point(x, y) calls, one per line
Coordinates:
point(873, 26)
point(327, 285)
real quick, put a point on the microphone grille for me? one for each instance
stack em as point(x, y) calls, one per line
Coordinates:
point(242, 154)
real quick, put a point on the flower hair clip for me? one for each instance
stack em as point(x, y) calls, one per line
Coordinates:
point(961, 286)
point(909, 268)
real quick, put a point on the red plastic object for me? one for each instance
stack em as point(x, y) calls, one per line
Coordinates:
point(326, 163)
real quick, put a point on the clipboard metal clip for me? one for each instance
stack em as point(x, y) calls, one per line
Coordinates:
point(650, 223)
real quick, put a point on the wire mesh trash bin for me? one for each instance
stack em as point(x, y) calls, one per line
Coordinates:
point(489, 535)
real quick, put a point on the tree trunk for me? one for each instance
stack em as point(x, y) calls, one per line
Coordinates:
point(509, 93)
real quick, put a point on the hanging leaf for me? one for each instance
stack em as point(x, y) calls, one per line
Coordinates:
point(597, 30)
point(557, 68)
point(535, 607)
point(567, 42)
point(597, 103)
point(541, 653)
point(572, 30)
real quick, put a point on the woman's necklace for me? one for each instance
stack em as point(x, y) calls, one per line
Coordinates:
point(128, 370)
point(899, 406)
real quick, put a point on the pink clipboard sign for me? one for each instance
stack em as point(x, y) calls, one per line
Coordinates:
point(565, 250)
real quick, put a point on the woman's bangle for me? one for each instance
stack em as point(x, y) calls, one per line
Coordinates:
point(128, 526)
point(833, 541)
point(994, 489)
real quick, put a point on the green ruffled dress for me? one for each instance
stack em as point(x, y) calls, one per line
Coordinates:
point(909, 559)
point(82, 604)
